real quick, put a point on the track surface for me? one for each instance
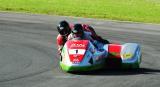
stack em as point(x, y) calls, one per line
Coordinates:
point(28, 56)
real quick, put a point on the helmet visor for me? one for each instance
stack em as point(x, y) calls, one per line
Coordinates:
point(63, 31)
point(76, 33)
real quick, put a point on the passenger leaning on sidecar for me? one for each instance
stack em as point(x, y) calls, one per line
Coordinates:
point(78, 33)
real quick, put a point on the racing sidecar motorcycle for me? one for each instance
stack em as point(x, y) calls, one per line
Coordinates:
point(82, 55)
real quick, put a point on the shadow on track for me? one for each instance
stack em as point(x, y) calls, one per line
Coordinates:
point(115, 72)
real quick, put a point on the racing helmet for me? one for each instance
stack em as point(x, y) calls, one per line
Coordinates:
point(63, 28)
point(78, 30)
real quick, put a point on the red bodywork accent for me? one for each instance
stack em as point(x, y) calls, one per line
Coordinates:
point(60, 40)
point(114, 59)
point(76, 45)
point(114, 50)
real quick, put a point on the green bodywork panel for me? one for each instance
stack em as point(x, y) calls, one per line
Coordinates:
point(80, 68)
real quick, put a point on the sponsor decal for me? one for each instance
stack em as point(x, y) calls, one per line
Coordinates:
point(77, 45)
point(76, 61)
point(127, 55)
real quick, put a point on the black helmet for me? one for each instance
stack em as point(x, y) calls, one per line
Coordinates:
point(63, 28)
point(78, 30)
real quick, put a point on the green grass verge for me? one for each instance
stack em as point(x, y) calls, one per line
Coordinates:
point(124, 10)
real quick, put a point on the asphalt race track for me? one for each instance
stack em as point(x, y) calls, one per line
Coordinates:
point(28, 55)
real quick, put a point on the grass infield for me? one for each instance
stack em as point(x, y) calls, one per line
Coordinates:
point(124, 10)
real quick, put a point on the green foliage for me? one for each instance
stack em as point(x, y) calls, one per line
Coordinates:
point(127, 10)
